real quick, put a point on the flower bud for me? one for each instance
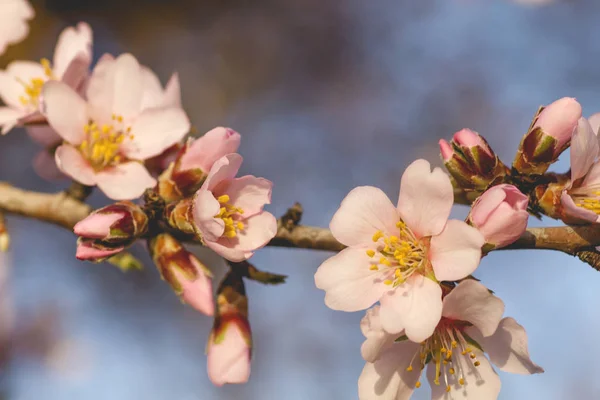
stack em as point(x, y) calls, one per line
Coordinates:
point(500, 214)
point(471, 161)
point(230, 343)
point(549, 135)
point(191, 166)
point(188, 277)
point(91, 250)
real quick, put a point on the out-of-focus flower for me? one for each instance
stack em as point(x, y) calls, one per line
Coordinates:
point(193, 162)
point(188, 277)
point(109, 230)
point(14, 15)
point(471, 161)
point(455, 355)
point(397, 255)
point(500, 214)
point(110, 135)
point(22, 82)
point(230, 343)
point(549, 135)
point(228, 211)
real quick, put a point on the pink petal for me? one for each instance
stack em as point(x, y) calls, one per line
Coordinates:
point(13, 22)
point(101, 88)
point(584, 149)
point(387, 378)
point(455, 253)
point(480, 383)
point(594, 121)
point(364, 211)
point(73, 42)
point(207, 149)
point(126, 181)
point(66, 111)
point(96, 225)
point(415, 307)
point(128, 87)
point(77, 73)
point(592, 179)
point(197, 293)
point(472, 302)
point(229, 360)
point(172, 94)
point(87, 252)
point(8, 119)
point(224, 169)
point(43, 135)
point(11, 88)
point(507, 348)
point(559, 119)
point(250, 194)
point(483, 207)
point(204, 211)
point(154, 131)
point(348, 282)
point(377, 340)
point(153, 90)
point(425, 199)
point(574, 214)
point(259, 231)
point(44, 164)
point(70, 161)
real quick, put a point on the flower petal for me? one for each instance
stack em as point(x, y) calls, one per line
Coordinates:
point(73, 42)
point(594, 121)
point(172, 94)
point(224, 169)
point(45, 166)
point(128, 87)
point(348, 282)
point(572, 214)
point(472, 302)
point(507, 348)
point(206, 150)
point(250, 194)
point(153, 90)
point(44, 135)
point(415, 307)
point(426, 198)
point(9, 118)
point(66, 111)
point(584, 149)
point(199, 292)
point(480, 383)
point(100, 88)
point(455, 253)
point(377, 340)
point(387, 378)
point(70, 161)
point(204, 210)
point(11, 88)
point(258, 231)
point(154, 131)
point(126, 181)
point(13, 22)
point(364, 211)
point(85, 251)
point(229, 360)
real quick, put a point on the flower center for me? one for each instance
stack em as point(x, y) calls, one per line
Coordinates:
point(589, 201)
point(229, 215)
point(33, 88)
point(102, 144)
point(403, 253)
point(443, 348)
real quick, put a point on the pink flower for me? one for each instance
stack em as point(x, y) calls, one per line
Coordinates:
point(14, 15)
point(559, 120)
point(469, 139)
point(22, 82)
point(397, 255)
point(500, 214)
point(229, 350)
point(228, 212)
point(581, 198)
point(109, 136)
point(203, 152)
point(457, 366)
point(90, 250)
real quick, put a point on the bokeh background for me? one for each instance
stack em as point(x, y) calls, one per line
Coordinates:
point(328, 95)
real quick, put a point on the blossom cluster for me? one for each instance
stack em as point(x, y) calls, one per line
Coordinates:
point(411, 266)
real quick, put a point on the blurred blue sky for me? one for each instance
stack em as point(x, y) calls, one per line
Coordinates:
point(327, 97)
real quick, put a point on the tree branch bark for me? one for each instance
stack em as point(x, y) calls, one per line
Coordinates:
point(64, 210)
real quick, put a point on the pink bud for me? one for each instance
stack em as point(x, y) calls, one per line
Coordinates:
point(500, 214)
point(229, 351)
point(559, 120)
point(469, 138)
point(446, 150)
point(87, 251)
point(198, 292)
point(96, 225)
point(204, 151)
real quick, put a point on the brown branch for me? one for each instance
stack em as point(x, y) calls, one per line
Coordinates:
point(63, 210)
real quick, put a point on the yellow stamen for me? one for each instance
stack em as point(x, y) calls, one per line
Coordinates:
point(418, 384)
point(371, 253)
point(378, 235)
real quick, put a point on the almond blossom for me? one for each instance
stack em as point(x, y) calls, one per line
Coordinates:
point(398, 255)
point(109, 136)
point(457, 356)
point(228, 211)
point(581, 198)
point(14, 15)
point(22, 82)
